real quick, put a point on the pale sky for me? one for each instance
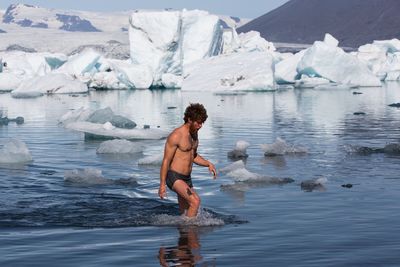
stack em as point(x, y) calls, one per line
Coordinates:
point(238, 8)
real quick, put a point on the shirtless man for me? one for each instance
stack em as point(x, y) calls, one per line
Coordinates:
point(179, 155)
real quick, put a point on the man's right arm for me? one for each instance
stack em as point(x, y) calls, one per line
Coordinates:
point(169, 151)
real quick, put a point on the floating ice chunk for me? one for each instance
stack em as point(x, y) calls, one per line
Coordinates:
point(314, 184)
point(169, 80)
point(240, 150)
point(97, 129)
point(119, 147)
point(9, 81)
point(242, 175)
point(310, 82)
point(81, 63)
point(14, 151)
point(330, 40)
point(231, 41)
point(280, 147)
point(91, 176)
point(107, 80)
point(236, 165)
point(107, 115)
point(388, 46)
point(132, 75)
point(80, 114)
point(55, 83)
point(237, 71)
point(332, 63)
point(151, 160)
point(108, 126)
point(166, 41)
point(286, 70)
point(252, 41)
point(24, 64)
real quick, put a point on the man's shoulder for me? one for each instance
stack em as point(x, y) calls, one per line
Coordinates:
point(175, 134)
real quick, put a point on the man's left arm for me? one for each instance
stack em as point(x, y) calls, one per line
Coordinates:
point(199, 160)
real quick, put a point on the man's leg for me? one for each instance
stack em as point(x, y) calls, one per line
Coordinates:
point(189, 195)
point(183, 204)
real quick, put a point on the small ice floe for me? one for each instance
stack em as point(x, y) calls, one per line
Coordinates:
point(119, 146)
point(91, 176)
point(236, 165)
point(391, 149)
point(239, 151)
point(316, 184)
point(280, 147)
point(14, 151)
point(242, 175)
point(203, 218)
point(395, 105)
point(151, 160)
point(103, 124)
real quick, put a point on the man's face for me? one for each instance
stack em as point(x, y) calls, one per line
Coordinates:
point(195, 126)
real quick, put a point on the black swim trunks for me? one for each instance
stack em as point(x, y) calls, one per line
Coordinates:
point(173, 176)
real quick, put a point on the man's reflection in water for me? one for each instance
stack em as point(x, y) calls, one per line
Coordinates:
point(187, 253)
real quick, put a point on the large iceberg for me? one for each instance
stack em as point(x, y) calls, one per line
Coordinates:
point(55, 83)
point(383, 58)
point(165, 41)
point(326, 60)
point(237, 71)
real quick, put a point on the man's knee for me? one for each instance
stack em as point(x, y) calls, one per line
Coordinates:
point(194, 199)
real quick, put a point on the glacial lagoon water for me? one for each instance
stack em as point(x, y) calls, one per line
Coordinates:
point(46, 221)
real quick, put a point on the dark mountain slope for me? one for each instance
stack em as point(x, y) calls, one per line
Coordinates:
point(352, 22)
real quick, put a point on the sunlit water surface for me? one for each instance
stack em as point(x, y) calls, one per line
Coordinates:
point(45, 221)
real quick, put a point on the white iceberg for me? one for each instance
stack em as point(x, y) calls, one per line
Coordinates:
point(240, 150)
point(14, 151)
point(79, 64)
point(236, 165)
point(286, 70)
point(165, 41)
point(325, 60)
point(310, 82)
point(119, 147)
point(94, 177)
point(237, 71)
point(99, 130)
point(9, 81)
point(152, 160)
point(54, 83)
point(280, 147)
point(242, 175)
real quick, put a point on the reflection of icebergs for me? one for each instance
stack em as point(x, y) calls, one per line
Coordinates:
point(119, 146)
point(239, 151)
point(14, 151)
point(99, 131)
point(280, 147)
point(314, 184)
point(91, 176)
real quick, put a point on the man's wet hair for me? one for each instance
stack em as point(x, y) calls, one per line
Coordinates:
point(195, 112)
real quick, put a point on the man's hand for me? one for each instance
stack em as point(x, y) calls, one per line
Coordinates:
point(162, 192)
point(212, 169)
